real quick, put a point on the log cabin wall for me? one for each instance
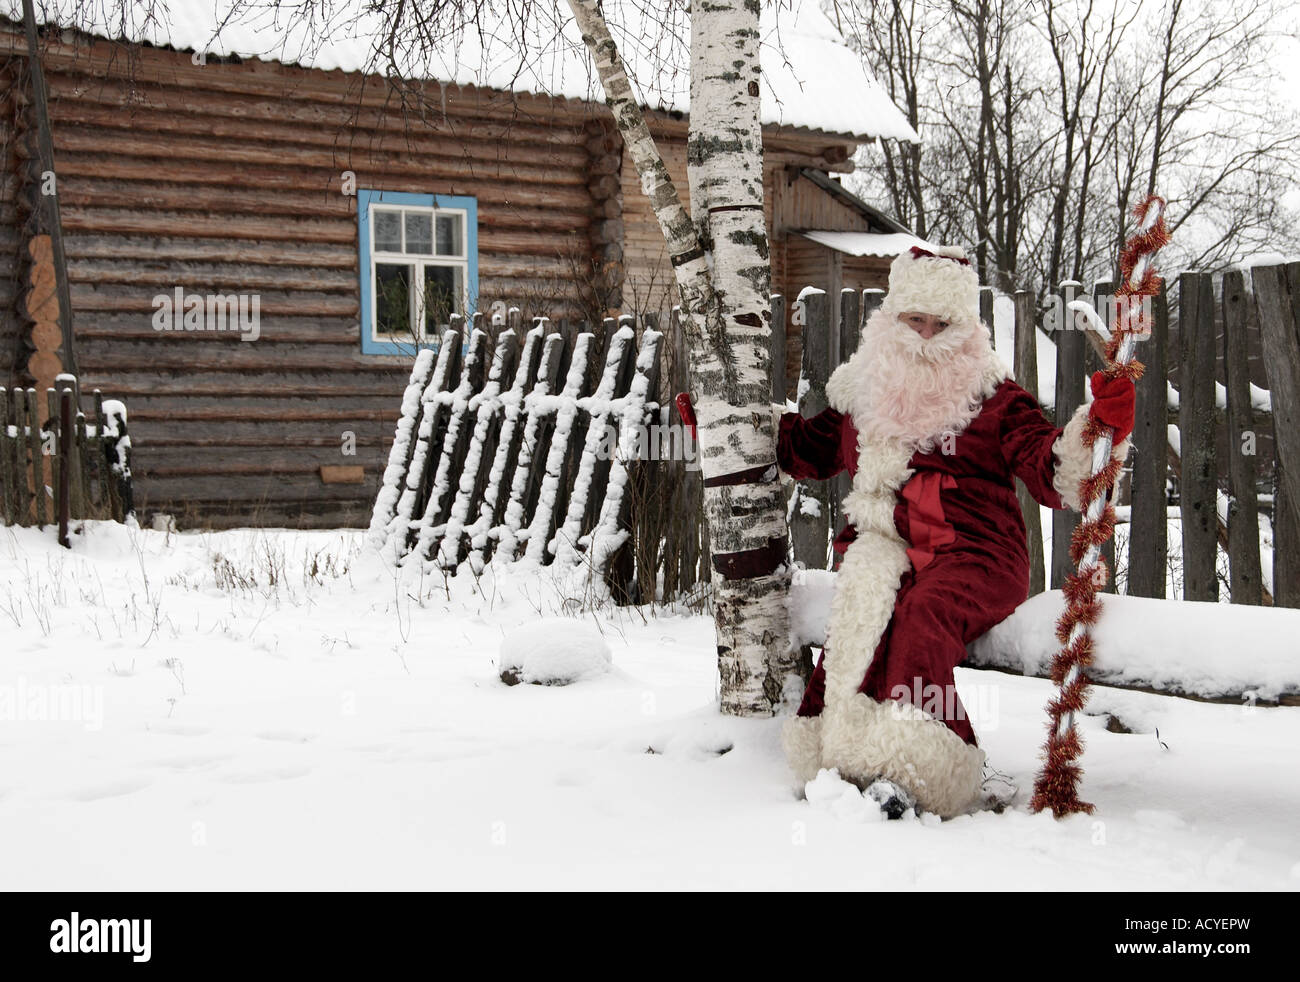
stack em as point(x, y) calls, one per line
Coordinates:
point(227, 178)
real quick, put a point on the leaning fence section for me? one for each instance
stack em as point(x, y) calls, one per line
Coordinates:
point(57, 464)
point(550, 444)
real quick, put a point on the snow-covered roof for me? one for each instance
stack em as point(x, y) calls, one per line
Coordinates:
point(811, 77)
point(888, 244)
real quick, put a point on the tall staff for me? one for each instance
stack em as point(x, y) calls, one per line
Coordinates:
point(1057, 785)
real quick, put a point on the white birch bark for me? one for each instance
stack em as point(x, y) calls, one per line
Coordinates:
point(723, 273)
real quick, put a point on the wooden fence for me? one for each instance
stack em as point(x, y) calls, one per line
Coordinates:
point(552, 445)
point(1210, 440)
point(56, 465)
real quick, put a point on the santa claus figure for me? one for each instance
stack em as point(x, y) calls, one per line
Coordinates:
point(934, 433)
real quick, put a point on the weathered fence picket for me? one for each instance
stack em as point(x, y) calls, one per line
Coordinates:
point(1243, 508)
point(1148, 533)
point(1196, 418)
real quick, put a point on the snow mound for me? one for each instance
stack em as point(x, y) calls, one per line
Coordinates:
point(554, 651)
point(830, 792)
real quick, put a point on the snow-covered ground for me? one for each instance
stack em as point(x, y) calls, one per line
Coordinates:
point(340, 728)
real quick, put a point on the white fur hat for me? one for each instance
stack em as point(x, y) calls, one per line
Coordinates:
point(943, 283)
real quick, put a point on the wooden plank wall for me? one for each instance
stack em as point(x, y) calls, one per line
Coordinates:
point(226, 178)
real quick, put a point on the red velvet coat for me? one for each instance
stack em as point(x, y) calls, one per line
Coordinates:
point(960, 516)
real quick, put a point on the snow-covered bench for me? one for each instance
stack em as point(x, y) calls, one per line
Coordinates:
point(1218, 652)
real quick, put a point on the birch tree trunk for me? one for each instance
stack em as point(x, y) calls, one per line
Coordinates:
point(720, 258)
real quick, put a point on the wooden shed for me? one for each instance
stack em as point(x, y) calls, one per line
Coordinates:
point(329, 233)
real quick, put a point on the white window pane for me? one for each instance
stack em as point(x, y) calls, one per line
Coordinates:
point(393, 299)
point(444, 290)
point(449, 236)
point(419, 232)
point(388, 231)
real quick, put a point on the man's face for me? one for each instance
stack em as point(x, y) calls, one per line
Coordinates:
point(926, 325)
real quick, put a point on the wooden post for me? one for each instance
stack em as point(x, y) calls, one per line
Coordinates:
point(47, 205)
point(1026, 370)
point(776, 350)
point(1274, 286)
point(21, 444)
point(849, 334)
point(8, 473)
point(811, 520)
point(1148, 545)
point(1196, 426)
point(71, 457)
point(1243, 504)
point(38, 456)
point(1070, 346)
point(871, 301)
point(986, 312)
point(66, 466)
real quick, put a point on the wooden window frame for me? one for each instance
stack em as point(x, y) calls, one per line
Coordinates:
point(367, 200)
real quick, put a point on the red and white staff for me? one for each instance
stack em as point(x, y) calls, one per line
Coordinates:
point(1057, 784)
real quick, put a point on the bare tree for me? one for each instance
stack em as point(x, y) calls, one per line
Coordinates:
point(1043, 123)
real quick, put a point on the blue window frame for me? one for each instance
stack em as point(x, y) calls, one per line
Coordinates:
point(418, 262)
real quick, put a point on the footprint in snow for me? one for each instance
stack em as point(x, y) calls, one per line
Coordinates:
point(193, 763)
point(177, 729)
point(113, 789)
point(286, 736)
point(270, 774)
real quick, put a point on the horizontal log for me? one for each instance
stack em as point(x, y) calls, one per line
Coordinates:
point(199, 495)
point(159, 271)
point(95, 192)
point(133, 248)
point(274, 437)
point(150, 461)
point(458, 118)
point(253, 381)
point(108, 325)
point(205, 355)
point(298, 179)
point(181, 224)
point(167, 149)
point(356, 143)
point(114, 297)
point(219, 414)
point(270, 401)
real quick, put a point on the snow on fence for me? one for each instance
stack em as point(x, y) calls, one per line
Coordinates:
point(55, 465)
point(547, 445)
point(1210, 441)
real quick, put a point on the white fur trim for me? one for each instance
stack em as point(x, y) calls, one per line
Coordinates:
point(934, 285)
point(1074, 460)
point(867, 739)
point(801, 738)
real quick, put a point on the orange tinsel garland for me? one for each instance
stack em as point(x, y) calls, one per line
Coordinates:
point(1057, 785)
